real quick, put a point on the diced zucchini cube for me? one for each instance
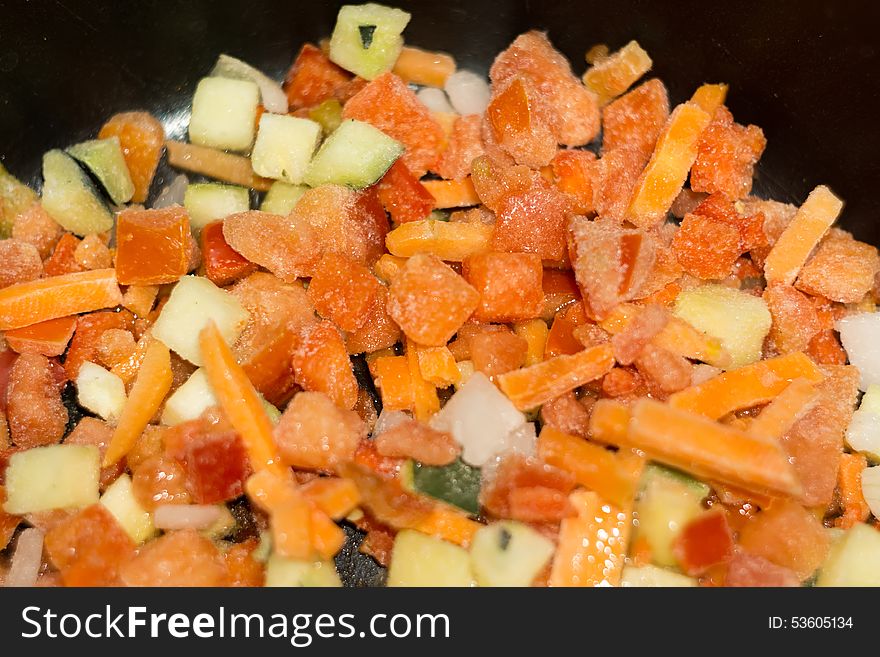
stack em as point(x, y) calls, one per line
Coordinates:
point(367, 38)
point(53, 477)
point(193, 303)
point(456, 483)
point(100, 391)
point(854, 559)
point(104, 159)
point(207, 202)
point(224, 114)
point(190, 400)
point(356, 154)
point(284, 572)
point(652, 576)
point(284, 147)
point(120, 501)
point(281, 198)
point(272, 96)
point(421, 560)
point(70, 198)
point(15, 198)
point(509, 553)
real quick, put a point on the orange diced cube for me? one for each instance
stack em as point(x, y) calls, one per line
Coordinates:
point(619, 171)
point(561, 339)
point(727, 156)
point(63, 258)
point(378, 331)
point(49, 338)
point(139, 299)
point(179, 558)
point(518, 127)
point(321, 364)
point(152, 246)
point(710, 97)
point(437, 366)
point(706, 248)
point(841, 269)
point(403, 196)
point(636, 119)
point(314, 433)
point(394, 381)
point(343, 291)
point(223, 265)
point(427, 402)
point(464, 145)
point(509, 285)
point(313, 78)
point(388, 266)
point(89, 329)
point(142, 139)
point(429, 301)
point(795, 320)
point(576, 174)
point(498, 352)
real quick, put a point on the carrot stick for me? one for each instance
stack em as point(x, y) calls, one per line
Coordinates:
point(425, 395)
point(57, 296)
point(335, 496)
point(49, 338)
point(450, 525)
point(747, 386)
point(453, 241)
point(609, 422)
point(452, 193)
point(709, 449)
point(780, 414)
point(326, 537)
point(610, 76)
point(290, 514)
point(147, 394)
point(812, 221)
point(849, 485)
point(215, 164)
point(710, 97)
point(593, 545)
point(613, 475)
point(423, 67)
point(529, 387)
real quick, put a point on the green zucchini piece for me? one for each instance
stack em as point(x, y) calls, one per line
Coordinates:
point(356, 154)
point(103, 157)
point(207, 202)
point(15, 198)
point(457, 484)
point(70, 197)
point(367, 38)
point(281, 198)
point(284, 147)
point(328, 114)
point(509, 553)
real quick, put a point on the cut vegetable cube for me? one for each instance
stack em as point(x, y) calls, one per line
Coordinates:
point(141, 137)
point(636, 120)
point(854, 559)
point(394, 382)
point(49, 338)
point(120, 501)
point(190, 400)
point(613, 75)
point(287, 572)
point(863, 433)
point(224, 114)
point(15, 198)
point(343, 291)
point(223, 265)
point(457, 484)
point(272, 96)
point(317, 434)
point(451, 241)
point(421, 560)
point(100, 391)
point(104, 159)
point(517, 125)
point(281, 198)
point(509, 553)
point(841, 269)
point(207, 202)
point(193, 304)
point(403, 196)
point(367, 38)
point(509, 284)
point(710, 97)
point(284, 147)
point(430, 69)
point(313, 79)
point(738, 319)
point(152, 246)
point(858, 333)
point(356, 154)
point(70, 197)
point(53, 477)
point(652, 576)
point(212, 163)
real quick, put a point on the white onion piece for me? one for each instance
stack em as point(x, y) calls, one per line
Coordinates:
point(480, 418)
point(434, 99)
point(172, 193)
point(860, 335)
point(523, 440)
point(27, 559)
point(871, 488)
point(468, 92)
point(388, 420)
point(186, 516)
point(273, 97)
point(863, 434)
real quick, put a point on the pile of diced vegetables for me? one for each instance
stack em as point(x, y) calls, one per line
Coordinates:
point(530, 331)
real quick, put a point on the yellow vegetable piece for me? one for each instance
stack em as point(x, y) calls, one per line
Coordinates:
point(610, 76)
point(534, 332)
point(710, 97)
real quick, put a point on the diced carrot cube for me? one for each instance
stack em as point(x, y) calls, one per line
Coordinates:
point(635, 120)
point(403, 196)
point(152, 246)
point(425, 398)
point(393, 379)
point(534, 332)
point(497, 352)
point(567, 414)
point(710, 97)
point(614, 74)
point(89, 329)
point(576, 174)
point(530, 387)
point(36, 227)
point(223, 265)
point(92, 253)
point(180, 558)
point(728, 153)
point(841, 269)
point(418, 66)
point(63, 258)
point(335, 496)
point(517, 125)
point(343, 291)
point(706, 248)
point(313, 78)
point(321, 364)
point(437, 366)
point(141, 136)
point(795, 320)
point(429, 301)
point(19, 262)
point(378, 332)
point(35, 413)
point(314, 433)
point(509, 285)
point(463, 145)
point(49, 338)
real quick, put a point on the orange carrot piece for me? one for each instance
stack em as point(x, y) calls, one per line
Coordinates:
point(780, 414)
point(437, 366)
point(424, 393)
point(668, 168)
point(139, 299)
point(560, 337)
point(849, 485)
point(147, 394)
point(423, 67)
point(290, 514)
point(529, 387)
point(335, 496)
point(613, 475)
point(812, 221)
point(709, 449)
point(388, 266)
point(452, 193)
point(127, 370)
point(326, 536)
point(710, 97)
point(592, 545)
point(535, 333)
point(609, 421)
point(394, 381)
point(239, 400)
point(215, 164)
point(613, 74)
point(747, 386)
point(57, 296)
point(49, 338)
point(450, 525)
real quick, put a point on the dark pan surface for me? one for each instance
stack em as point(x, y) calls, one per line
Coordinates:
point(806, 72)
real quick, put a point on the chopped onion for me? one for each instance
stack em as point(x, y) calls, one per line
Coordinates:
point(871, 488)
point(863, 434)
point(480, 418)
point(523, 440)
point(186, 516)
point(468, 92)
point(434, 99)
point(27, 559)
point(273, 97)
point(860, 335)
point(388, 420)
point(172, 194)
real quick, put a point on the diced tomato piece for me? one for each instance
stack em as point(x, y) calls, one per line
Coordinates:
point(313, 78)
point(222, 263)
point(403, 196)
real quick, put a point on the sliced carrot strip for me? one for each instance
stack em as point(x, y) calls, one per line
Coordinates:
point(49, 338)
point(290, 514)
point(452, 193)
point(747, 386)
point(709, 449)
point(613, 475)
point(437, 366)
point(147, 394)
point(849, 485)
point(668, 168)
point(593, 545)
point(424, 394)
point(710, 97)
point(812, 221)
point(529, 387)
point(335, 496)
point(450, 525)
point(791, 404)
point(326, 536)
point(609, 421)
point(239, 400)
point(423, 67)
point(447, 240)
point(58, 296)
point(215, 164)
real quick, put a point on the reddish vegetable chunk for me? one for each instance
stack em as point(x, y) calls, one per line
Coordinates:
point(403, 196)
point(704, 542)
point(509, 285)
point(223, 265)
point(152, 246)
